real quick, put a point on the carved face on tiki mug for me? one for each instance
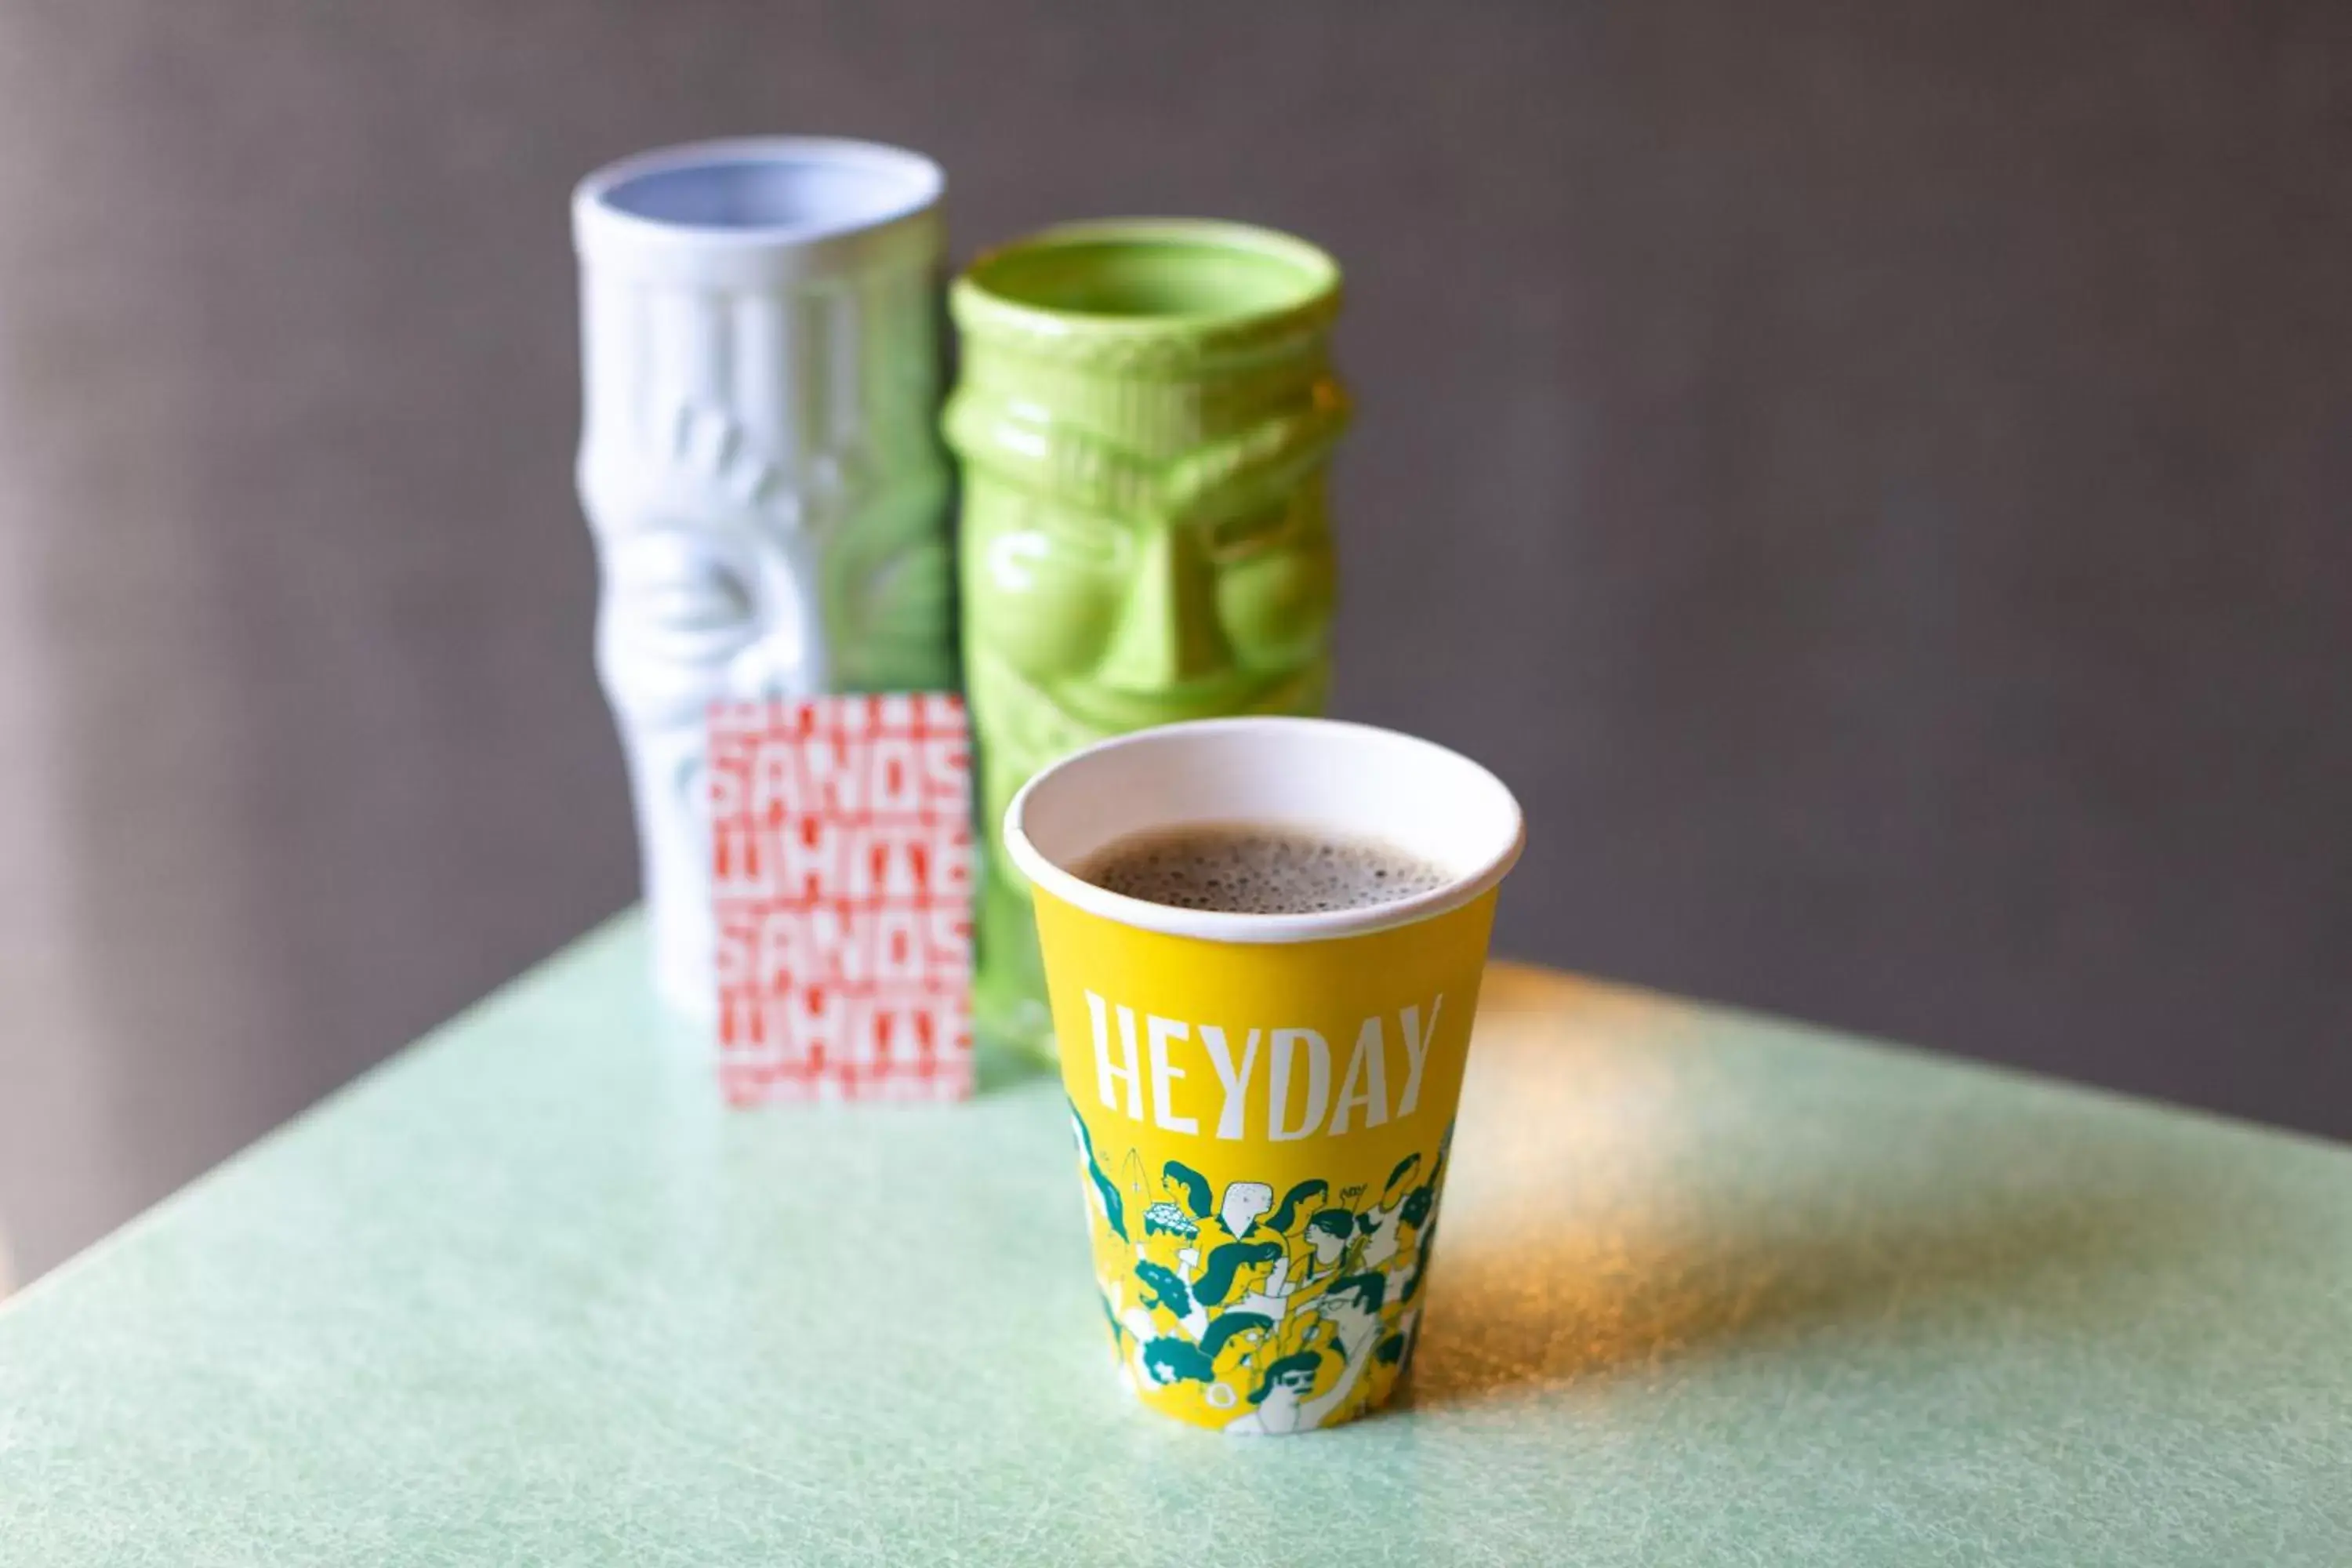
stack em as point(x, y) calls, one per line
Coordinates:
point(757, 462)
point(1145, 414)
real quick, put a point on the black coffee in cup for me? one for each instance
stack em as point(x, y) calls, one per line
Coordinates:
point(1255, 870)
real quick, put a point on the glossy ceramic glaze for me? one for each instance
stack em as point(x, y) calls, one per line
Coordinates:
point(1145, 414)
point(757, 461)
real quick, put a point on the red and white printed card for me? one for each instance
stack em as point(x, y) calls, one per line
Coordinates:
point(841, 848)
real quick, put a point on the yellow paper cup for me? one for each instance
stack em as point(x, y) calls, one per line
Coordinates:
point(1264, 1104)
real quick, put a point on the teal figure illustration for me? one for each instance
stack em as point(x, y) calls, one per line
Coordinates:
point(1165, 1291)
point(1419, 1211)
point(1243, 1201)
point(1382, 1225)
point(1285, 1400)
point(1272, 1292)
point(1238, 1213)
point(1367, 1291)
point(1417, 1205)
point(1169, 1360)
point(1408, 1331)
point(1226, 1261)
point(1193, 1185)
point(1329, 1231)
point(1295, 1372)
point(1283, 1309)
point(1404, 1168)
point(1282, 1218)
point(1106, 1194)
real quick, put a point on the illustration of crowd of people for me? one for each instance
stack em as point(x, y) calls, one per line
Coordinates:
point(1287, 1312)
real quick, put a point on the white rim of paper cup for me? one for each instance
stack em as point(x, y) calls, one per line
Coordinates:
point(1317, 776)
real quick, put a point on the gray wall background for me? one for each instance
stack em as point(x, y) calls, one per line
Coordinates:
point(1873, 476)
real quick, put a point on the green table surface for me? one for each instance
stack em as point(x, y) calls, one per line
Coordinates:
point(1714, 1290)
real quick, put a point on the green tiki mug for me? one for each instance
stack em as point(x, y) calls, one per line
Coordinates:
point(1145, 413)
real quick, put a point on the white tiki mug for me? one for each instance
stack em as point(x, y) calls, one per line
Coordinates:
point(759, 461)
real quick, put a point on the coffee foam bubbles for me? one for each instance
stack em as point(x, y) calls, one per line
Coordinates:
point(1242, 869)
